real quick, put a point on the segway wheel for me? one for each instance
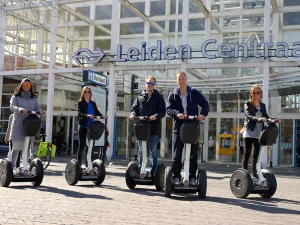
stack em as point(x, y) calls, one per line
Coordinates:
point(99, 165)
point(272, 183)
point(6, 173)
point(241, 183)
point(168, 182)
point(72, 172)
point(202, 183)
point(131, 170)
point(39, 171)
point(159, 178)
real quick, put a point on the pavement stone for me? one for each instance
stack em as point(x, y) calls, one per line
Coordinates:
point(55, 202)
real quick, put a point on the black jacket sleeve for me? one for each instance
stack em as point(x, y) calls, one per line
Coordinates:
point(247, 108)
point(97, 112)
point(171, 106)
point(203, 103)
point(161, 108)
point(135, 107)
point(81, 110)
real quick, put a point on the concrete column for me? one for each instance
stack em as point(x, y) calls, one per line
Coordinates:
point(2, 41)
point(51, 75)
point(40, 40)
point(112, 80)
point(267, 24)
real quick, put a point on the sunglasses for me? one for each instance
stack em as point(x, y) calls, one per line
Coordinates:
point(87, 92)
point(26, 85)
point(150, 83)
point(256, 93)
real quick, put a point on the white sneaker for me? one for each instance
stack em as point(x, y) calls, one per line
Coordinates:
point(14, 170)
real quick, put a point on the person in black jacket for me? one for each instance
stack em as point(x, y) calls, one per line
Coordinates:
point(184, 101)
point(85, 107)
point(152, 104)
point(255, 114)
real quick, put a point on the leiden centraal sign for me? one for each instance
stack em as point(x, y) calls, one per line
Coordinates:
point(170, 52)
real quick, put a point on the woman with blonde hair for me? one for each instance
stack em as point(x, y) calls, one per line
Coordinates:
point(255, 114)
point(85, 107)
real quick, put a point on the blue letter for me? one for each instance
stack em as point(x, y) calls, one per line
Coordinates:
point(236, 50)
point(227, 49)
point(169, 50)
point(203, 48)
point(255, 44)
point(266, 48)
point(294, 52)
point(132, 53)
point(158, 51)
point(143, 51)
point(282, 52)
point(119, 54)
point(185, 52)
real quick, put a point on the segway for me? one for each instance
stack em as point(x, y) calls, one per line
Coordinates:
point(32, 172)
point(241, 182)
point(189, 132)
point(95, 171)
point(142, 176)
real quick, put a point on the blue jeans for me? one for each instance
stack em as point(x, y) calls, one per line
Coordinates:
point(153, 141)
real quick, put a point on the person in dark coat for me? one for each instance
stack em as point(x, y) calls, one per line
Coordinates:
point(152, 104)
point(184, 101)
point(85, 107)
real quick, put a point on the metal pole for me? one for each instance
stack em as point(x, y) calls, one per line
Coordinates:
point(130, 124)
point(267, 25)
point(112, 78)
point(2, 41)
point(51, 75)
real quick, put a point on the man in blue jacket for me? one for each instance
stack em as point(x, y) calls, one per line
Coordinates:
point(184, 101)
point(150, 103)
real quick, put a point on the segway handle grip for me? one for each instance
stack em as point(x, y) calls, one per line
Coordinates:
point(95, 117)
point(142, 117)
point(272, 120)
point(187, 117)
point(32, 112)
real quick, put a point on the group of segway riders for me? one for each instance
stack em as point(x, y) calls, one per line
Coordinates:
point(146, 112)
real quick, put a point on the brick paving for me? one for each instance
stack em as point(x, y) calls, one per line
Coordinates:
point(55, 202)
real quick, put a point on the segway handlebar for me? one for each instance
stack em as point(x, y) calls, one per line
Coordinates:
point(187, 117)
point(272, 120)
point(32, 112)
point(95, 117)
point(142, 117)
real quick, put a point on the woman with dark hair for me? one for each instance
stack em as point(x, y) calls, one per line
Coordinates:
point(22, 101)
point(85, 107)
point(255, 115)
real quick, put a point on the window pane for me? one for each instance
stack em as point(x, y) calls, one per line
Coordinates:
point(131, 28)
point(103, 12)
point(158, 8)
point(125, 12)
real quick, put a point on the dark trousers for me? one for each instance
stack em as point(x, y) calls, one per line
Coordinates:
point(103, 154)
point(178, 149)
point(82, 144)
point(248, 142)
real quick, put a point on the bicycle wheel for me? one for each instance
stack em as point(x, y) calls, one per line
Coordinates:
point(46, 159)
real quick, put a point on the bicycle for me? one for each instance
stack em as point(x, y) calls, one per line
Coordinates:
point(45, 152)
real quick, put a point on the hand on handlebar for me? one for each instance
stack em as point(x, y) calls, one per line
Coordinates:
point(131, 117)
point(152, 118)
point(180, 116)
point(42, 112)
point(23, 111)
point(263, 119)
point(200, 117)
